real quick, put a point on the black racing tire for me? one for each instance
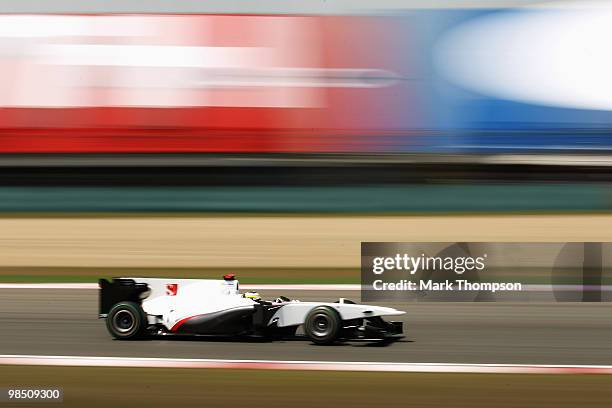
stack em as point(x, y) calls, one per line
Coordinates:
point(126, 321)
point(323, 325)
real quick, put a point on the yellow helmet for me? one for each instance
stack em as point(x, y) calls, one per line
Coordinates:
point(252, 295)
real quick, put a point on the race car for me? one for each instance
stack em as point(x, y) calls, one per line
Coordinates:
point(139, 307)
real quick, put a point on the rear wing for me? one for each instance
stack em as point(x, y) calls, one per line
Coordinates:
point(119, 290)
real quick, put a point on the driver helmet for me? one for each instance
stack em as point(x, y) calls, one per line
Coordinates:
point(252, 295)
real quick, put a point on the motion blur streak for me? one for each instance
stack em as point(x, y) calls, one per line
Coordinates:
point(246, 242)
point(426, 81)
point(548, 57)
point(268, 140)
point(303, 365)
point(154, 61)
point(203, 83)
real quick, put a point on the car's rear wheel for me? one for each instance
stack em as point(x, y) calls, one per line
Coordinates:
point(323, 325)
point(126, 320)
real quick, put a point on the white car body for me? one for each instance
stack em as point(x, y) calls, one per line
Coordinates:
point(200, 306)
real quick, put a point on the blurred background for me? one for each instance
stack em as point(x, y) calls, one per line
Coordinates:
point(269, 139)
point(226, 135)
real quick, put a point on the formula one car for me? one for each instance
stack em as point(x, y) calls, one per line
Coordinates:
point(136, 307)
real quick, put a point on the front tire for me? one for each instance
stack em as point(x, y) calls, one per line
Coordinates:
point(126, 321)
point(323, 325)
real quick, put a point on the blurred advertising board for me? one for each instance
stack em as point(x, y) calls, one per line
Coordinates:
point(417, 81)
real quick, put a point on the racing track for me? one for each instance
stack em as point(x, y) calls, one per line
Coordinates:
point(63, 322)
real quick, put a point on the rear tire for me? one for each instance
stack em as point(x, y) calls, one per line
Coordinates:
point(323, 325)
point(126, 321)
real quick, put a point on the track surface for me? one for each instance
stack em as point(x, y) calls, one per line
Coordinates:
point(63, 322)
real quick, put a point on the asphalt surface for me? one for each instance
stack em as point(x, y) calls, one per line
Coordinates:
point(64, 322)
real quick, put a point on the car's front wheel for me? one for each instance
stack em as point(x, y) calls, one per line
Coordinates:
point(323, 325)
point(126, 320)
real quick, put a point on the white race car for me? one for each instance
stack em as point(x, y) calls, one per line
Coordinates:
point(135, 307)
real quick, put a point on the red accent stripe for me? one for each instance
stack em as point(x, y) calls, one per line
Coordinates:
point(178, 324)
point(194, 140)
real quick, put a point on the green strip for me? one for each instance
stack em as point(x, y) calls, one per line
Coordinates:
point(245, 275)
point(364, 199)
